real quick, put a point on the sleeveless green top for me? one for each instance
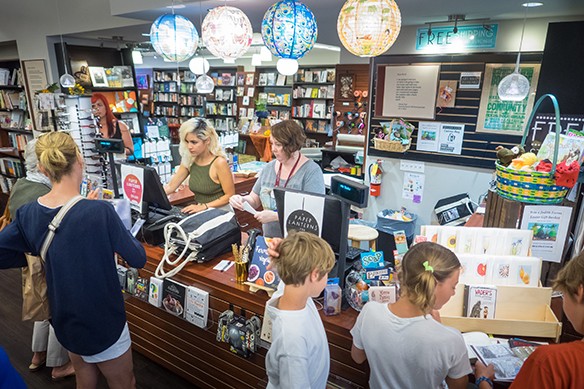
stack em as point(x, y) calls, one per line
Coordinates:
point(201, 184)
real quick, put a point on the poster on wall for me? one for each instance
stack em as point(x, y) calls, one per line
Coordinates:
point(410, 91)
point(550, 229)
point(133, 185)
point(451, 136)
point(413, 187)
point(428, 135)
point(446, 94)
point(303, 212)
point(505, 117)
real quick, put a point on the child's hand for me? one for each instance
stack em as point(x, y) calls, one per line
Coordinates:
point(484, 371)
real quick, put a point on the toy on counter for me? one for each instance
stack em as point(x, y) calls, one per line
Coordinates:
point(524, 162)
point(505, 155)
point(567, 175)
point(544, 166)
point(332, 297)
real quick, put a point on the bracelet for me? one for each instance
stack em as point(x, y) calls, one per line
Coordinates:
point(485, 379)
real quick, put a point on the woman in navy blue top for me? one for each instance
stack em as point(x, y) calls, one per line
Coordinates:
point(87, 306)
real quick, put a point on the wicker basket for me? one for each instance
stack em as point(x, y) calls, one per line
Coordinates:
point(532, 187)
point(390, 145)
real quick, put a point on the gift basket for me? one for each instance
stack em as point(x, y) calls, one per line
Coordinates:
point(527, 179)
point(394, 136)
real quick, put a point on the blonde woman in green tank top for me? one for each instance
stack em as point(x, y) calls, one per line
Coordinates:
point(204, 162)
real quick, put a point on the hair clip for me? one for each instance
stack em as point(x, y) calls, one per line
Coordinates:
point(427, 267)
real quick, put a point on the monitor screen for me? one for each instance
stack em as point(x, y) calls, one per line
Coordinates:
point(154, 194)
point(335, 223)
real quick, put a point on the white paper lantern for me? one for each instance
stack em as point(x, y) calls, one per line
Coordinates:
point(174, 37)
point(287, 66)
point(67, 81)
point(368, 28)
point(227, 32)
point(513, 87)
point(199, 65)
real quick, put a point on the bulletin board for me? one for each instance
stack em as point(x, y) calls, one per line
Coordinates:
point(461, 105)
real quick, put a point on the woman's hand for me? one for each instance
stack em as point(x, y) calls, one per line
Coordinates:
point(94, 194)
point(194, 208)
point(236, 202)
point(266, 216)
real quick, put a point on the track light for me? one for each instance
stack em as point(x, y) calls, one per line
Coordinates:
point(455, 29)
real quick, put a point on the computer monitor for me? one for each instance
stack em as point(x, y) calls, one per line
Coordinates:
point(154, 195)
point(335, 225)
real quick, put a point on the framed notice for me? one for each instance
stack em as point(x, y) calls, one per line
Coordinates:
point(410, 91)
point(505, 117)
point(35, 79)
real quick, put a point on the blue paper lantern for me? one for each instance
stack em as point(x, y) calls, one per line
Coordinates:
point(174, 37)
point(289, 29)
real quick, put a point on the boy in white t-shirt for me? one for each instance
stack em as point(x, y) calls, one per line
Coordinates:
point(299, 354)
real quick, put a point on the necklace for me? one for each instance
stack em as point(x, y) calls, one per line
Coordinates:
point(277, 184)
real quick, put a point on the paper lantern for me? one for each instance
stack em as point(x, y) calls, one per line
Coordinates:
point(227, 32)
point(289, 29)
point(368, 28)
point(199, 65)
point(174, 37)
point(513, 87)
point(287, 66)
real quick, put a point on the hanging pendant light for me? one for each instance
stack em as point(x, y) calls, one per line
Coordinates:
point(227, 32)
point(204, 84)
point(369, 28)
point(289, 29)
point(515, 86)
point(287, 66)
point(174, 37)
point(66, 80)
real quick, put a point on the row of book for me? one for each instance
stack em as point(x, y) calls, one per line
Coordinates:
point(223, 79)
point(311, 110)
point(6, 184)
point(282, 99)
point(19, 141)
point(12, 119)
point(173, 76)
point(188, 87)
point(323, 92)
point(192, 100)
point(191, 111)
point(229, 109)
point(223, 124)
point(161, 97)
point(323, 76)
point(164, 86)
point(166, 110)
point(272, 79)
point(12, 167)
point(222, 94)
point(10, 99)
point(319, 126)
point(8, 77)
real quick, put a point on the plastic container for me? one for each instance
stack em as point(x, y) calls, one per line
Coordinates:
point(385, 224)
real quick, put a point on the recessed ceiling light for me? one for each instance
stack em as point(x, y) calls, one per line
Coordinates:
point(532, 5)
point(145, 34)
point(177, 6)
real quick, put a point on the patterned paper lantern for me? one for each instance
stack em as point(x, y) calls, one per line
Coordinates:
point(227, 32)
point(289, 29)
point(174, 37)
point(368, 28)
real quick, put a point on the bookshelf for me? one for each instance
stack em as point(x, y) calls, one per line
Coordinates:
point(13, 134)
point(221, 107)
point(175, 96)
point(275, 90)
point(313, 100)
point(119, 86)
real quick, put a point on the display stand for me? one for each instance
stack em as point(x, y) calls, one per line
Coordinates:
point(255, 287)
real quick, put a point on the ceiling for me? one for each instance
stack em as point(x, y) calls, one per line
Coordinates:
point(414, 12)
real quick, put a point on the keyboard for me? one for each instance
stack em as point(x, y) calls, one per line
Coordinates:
point(354, 253)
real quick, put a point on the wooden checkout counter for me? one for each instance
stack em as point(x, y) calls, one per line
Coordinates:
point(194, 354)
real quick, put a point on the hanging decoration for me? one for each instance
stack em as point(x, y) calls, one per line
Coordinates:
point(227, 32)
point(368, 28)
point(174, 37)
point(199, 65)
point(204, 84)
point(515, 86)
point(289, 29)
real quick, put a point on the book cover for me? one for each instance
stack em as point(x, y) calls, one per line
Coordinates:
point(480, 301)
point(197, 306)
point(263, 79)
point(281, 80)
point(155, 294)
point(271, 79)
point(249, 79)
point(257, 272)
point(571, 148)
point(174, 294)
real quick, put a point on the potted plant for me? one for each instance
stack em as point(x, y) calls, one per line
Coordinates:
point(260, 109)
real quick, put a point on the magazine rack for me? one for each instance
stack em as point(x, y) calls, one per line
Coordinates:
point(520, 311)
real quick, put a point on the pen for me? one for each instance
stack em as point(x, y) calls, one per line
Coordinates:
point(227, 267)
